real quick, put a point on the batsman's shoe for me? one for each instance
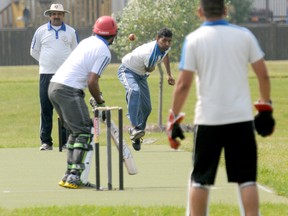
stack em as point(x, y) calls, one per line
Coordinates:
point(136, 133)
point(63, 180)
point(73, 182)
point(137, 144)
point(46, 147)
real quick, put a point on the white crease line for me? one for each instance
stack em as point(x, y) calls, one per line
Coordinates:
point(265, 189)
point(259, 186)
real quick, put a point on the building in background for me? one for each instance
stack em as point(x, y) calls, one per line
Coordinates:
point(11, 13)
point(29, 13)
point(263, 11)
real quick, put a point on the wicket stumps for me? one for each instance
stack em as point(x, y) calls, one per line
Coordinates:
point(96, 124)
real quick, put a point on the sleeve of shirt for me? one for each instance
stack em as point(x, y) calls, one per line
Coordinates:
point(100, 64)
point(148, 53)
point(147, 60)
point(256, 52)
point(151, 61)
point(75, 41)
point(35, 46)
point(187, 60)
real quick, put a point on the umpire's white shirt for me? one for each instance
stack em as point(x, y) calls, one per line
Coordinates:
point(51, 46)
point(146, 55)
point(219, 53)
point(91, 55)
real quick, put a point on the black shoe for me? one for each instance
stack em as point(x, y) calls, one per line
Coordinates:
point(137, 144)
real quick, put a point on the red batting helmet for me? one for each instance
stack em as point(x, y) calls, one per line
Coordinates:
point(105, 26)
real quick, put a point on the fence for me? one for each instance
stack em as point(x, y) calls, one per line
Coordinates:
point(272, 39)
point(15, 43)
point(274, 10)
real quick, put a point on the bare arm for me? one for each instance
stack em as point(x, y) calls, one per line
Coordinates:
point(170, 79)
point(261, 72)
point(93, 86)
point(181, 90)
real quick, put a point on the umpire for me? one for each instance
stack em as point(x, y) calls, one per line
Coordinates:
point(52, 43)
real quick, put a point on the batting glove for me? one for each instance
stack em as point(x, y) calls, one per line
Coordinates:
point(264, 121)
point(174, 130)
point(95, 105)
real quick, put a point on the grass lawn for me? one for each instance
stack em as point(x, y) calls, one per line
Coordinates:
point(19, 114)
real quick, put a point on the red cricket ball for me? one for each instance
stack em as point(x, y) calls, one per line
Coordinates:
point(132, 37)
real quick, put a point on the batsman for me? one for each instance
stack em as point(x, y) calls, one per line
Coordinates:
point(82, 69)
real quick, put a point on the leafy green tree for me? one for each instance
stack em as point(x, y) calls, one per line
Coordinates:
point(145, 17)
point(238, 10)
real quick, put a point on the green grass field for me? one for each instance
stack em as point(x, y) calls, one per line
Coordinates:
point(19, 114)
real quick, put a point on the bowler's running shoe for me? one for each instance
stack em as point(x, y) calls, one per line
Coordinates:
point(135, 133)
point(73, 182)
point(46, 147)
point(137, 144)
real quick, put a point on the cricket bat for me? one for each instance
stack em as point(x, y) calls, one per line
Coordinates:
point(127, 155)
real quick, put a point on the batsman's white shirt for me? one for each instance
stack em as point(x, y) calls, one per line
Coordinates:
point(219, 53)
point(50, 46)
point(91, 55)
point(146, 55)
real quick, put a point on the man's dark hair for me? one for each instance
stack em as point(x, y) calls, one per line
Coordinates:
point(213, 8)
point(164, 32)
point(107, 37)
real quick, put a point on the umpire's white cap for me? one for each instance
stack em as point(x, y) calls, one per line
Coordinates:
point(55, 8)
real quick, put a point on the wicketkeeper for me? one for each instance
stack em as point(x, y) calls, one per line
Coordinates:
point(216, 56)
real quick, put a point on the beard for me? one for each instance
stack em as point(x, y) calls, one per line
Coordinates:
point(56, 22)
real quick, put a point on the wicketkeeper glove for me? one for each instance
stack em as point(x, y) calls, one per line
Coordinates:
point(264, 121)
point(174, 130)
point(94, 104)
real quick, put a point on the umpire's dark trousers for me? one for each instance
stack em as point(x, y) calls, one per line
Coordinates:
point(46, 120)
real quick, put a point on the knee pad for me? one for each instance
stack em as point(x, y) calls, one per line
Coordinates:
point(87, 164)
point(71, 140)
point(70, 147)
point(81, 148)
point(83, 142)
